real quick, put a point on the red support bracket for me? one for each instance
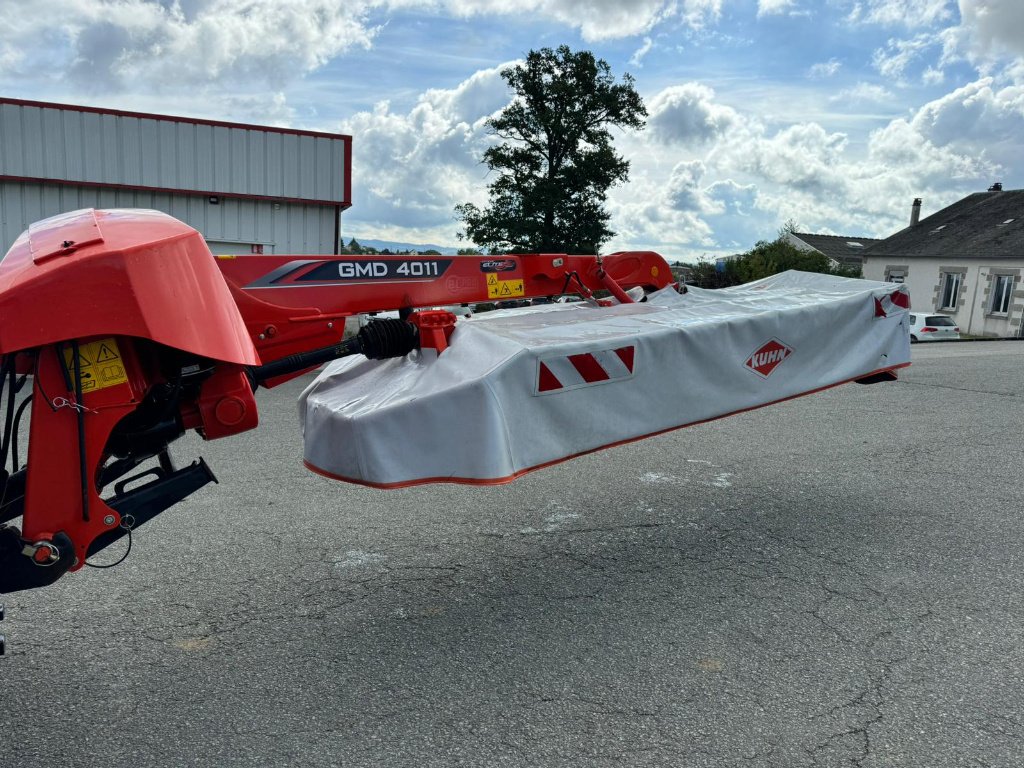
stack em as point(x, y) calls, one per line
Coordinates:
point(435, 327)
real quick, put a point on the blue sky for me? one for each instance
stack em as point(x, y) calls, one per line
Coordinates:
point(833, 114)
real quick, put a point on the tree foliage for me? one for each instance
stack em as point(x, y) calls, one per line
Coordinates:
point(556, 162)
point(764, 259)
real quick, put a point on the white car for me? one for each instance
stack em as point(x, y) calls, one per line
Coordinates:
point(933, 328)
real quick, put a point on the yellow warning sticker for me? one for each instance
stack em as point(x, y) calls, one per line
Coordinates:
point(504, 289)
point(99, 364)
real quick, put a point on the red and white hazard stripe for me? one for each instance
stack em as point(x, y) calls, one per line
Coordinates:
point(892, 303)
point(556, 374)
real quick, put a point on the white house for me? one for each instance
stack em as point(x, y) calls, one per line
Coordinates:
point(964, 261)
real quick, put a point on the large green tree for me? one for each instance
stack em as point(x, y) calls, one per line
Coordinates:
point(555, 163)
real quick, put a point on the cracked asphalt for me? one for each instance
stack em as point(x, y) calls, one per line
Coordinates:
point(833, 581)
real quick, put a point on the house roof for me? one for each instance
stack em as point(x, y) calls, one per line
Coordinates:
point(845, 250)
point(981, 225)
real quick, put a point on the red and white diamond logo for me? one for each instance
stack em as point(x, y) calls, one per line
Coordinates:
point(768, 357)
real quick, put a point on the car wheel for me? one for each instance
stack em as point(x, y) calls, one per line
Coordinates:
point(913, 339)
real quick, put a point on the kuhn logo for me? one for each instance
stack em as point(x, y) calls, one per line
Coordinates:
point(498, 265)
point(768, 357)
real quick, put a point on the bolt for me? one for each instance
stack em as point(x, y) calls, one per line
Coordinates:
point(262, 336)
point(108, 520)
point(330, 325)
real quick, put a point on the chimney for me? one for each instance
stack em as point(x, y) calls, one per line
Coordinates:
point(997, 187)
point(915, 211)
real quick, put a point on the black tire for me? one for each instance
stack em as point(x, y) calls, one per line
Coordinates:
point(913, 339)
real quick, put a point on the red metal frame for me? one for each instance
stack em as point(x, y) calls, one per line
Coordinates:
point(294, 303)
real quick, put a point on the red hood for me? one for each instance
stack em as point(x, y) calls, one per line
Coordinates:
point(119, 273)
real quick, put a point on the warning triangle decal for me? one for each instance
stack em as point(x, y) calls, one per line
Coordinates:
point(105, 354)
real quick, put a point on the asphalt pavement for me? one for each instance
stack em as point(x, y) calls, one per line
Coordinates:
point(833, 581)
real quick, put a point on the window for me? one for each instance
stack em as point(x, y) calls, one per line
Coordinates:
point(950, 289)
point(1002, 290)
point(895, 276)
point(939, 321)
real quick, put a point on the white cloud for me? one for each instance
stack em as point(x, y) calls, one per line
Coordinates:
point(687, 114)
point(907, 13)
point(803, 156)
point(906, 157)
point(893, 60)
point(773, 7)
point(976, 113)
point(824, 69)
point(933, 76)
point(863, 93)
point(113, 44)
point(415, 167)
point(638, 56)
point(735, 198)
point(595, 19)
point(700, 13)
point(683, 191)
point(994, 26)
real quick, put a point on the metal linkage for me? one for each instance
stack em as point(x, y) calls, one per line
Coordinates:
point(380, 339)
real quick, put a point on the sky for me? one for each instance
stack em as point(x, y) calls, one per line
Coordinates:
point(831, 114)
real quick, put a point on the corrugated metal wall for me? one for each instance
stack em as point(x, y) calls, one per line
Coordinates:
point(38, 142)
point(280, 227)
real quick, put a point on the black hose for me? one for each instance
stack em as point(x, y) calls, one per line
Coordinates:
point(83, 469)
point(7, 384)
point(17, 426)
point(380, 339)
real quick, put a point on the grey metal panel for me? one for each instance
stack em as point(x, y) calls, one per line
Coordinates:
point(290, 165)
point(237, 157)
point(113, 156)
point(92, 145)
point(204, 157)
point(11, 144)
point(52, 136)
point(256, 159)
point(168, 174)
point(130, 141)
point(275, 155)
point(71, 145)
point(31, 125)
point(185, 138)
point(73, 148)
point(280, 227)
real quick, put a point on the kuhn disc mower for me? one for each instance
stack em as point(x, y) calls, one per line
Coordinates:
point(120, 332)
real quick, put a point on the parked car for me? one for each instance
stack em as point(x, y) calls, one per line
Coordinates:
point(932, 328)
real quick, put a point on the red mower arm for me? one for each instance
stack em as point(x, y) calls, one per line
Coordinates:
point(291, 304)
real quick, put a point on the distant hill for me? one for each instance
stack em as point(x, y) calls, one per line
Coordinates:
point(393, 246)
